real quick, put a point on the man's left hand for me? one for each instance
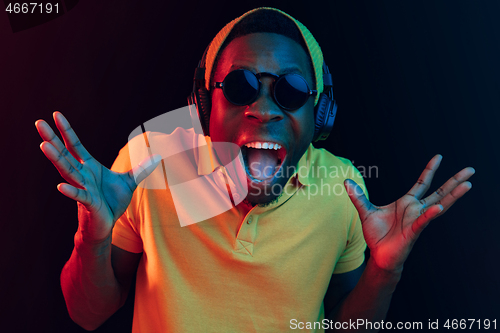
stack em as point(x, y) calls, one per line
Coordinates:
point(390, 231)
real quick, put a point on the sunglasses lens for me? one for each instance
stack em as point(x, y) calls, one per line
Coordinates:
point(241, 87)
point(291, 91)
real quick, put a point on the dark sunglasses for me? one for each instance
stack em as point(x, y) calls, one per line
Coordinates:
point(242, 87)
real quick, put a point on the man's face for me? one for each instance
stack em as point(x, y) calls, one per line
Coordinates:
point(263, 121)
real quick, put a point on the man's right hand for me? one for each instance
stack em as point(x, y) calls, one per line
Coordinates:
point(102, 195)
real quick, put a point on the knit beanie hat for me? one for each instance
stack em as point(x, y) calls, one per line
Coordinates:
point(313, 48)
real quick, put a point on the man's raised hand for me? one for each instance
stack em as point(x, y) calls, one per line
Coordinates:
point(390, 231)
point(102, 195)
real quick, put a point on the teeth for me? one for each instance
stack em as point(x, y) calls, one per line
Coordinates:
point(263, 145)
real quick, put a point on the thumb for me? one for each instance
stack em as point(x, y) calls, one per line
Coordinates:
point(143, 169)
point(358, 198)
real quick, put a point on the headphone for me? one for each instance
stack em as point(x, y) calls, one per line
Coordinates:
point(324, 111)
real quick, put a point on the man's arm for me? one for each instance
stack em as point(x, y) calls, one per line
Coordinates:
point(390, 232)
point(363, 293)
point(96, 281)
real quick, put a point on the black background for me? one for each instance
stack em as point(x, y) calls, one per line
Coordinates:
point(412, 79)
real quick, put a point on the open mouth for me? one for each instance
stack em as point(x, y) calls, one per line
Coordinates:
point(263, 159)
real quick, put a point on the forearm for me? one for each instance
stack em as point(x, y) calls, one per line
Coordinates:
point(90, 289)
point(371, 297)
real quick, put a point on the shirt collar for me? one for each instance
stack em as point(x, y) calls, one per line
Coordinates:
point(303, 173)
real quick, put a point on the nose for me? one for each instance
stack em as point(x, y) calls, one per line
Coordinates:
point(264, 109)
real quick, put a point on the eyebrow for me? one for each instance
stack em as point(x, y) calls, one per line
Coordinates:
point(286, 70)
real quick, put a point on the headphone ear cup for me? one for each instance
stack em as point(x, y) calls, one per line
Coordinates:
point(319, 115)
point(324, 116)
point(204, 106)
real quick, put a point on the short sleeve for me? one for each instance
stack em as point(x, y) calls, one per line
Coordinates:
point(126, 235)
point(354, 253)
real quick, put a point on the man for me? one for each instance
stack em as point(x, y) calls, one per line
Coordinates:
point(276, 261)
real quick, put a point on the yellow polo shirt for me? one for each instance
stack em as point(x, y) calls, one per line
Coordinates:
point(249, 269)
